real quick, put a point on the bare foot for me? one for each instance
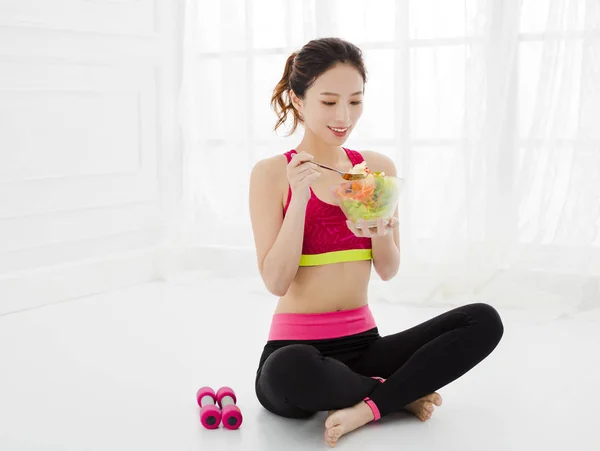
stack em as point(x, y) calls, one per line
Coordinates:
point(424, 407)
point(340, 422)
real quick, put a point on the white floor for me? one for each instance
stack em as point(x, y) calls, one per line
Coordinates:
point(120, 372)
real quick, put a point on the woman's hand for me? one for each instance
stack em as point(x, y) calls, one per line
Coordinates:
point(383, 227)
point(301, 176)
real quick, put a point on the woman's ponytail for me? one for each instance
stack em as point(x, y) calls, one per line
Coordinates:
point(281, 100)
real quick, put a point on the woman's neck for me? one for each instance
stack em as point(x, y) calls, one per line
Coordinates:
point(324, 153)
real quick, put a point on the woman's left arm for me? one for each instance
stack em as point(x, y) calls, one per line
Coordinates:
point(386, 252)
point(385, 240)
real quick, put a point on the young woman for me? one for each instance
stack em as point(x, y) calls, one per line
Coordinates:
point(324, 352)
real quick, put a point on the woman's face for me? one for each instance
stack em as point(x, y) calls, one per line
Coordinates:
point(333, 104)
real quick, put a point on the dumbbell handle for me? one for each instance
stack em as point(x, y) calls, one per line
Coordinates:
point(227, 400)
point(206, 400)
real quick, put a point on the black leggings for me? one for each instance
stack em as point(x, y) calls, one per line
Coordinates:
point(297, 379)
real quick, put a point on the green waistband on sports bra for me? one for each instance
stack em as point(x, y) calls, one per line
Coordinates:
point(336, 257)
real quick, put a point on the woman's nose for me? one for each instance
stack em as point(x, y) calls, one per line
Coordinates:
point(342, 113)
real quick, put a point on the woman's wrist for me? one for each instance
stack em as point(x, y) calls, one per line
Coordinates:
point(388, 238)
point(297, 204)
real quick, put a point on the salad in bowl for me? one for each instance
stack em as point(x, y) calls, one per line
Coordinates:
point(373, 197)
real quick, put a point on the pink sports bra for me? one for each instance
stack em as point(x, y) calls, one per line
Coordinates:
point(327, 238)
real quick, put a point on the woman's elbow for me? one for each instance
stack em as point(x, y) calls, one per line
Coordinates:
point(274, 284)
point(385, 276)
point(277, 290)
point(387, 273)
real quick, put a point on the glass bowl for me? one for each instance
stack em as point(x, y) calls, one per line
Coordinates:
point(370, 198)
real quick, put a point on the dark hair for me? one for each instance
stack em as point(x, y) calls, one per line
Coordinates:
point(304, 67)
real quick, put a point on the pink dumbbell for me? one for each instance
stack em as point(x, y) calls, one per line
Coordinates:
point(231, 414)
point(210, 415)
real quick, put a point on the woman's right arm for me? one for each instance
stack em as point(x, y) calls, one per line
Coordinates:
point(278, 240)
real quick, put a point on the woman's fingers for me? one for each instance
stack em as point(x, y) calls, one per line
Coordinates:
point(353, 228)
point(362, 230)
point(381, 227)
point(366, 230)
point(300, 158)
point(309, 177)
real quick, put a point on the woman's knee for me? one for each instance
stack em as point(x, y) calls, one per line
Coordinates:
point(488, 318)
point(290, 362)
point(274, 385)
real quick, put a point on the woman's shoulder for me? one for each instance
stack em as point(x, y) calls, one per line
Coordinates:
point(269, 173)
point(270, 165)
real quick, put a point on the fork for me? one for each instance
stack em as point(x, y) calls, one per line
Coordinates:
point(345, 175)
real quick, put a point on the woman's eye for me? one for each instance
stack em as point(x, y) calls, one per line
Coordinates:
point(356, 102)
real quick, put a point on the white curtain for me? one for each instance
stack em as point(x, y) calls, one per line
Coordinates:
point(491, 111)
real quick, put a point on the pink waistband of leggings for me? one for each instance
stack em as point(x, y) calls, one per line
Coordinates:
point(320, 326)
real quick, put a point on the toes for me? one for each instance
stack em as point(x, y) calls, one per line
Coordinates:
point(425, 412)
point(330, 441)
point(424, 407)
point(332, 435)
point(335, 433)
point(434, 398)
point(330, 422)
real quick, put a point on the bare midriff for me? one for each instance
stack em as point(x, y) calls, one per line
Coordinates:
point(327, 288)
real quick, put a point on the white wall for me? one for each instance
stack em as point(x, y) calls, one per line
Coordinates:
point(90, 159)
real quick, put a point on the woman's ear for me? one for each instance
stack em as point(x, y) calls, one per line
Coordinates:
point(296, 102)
